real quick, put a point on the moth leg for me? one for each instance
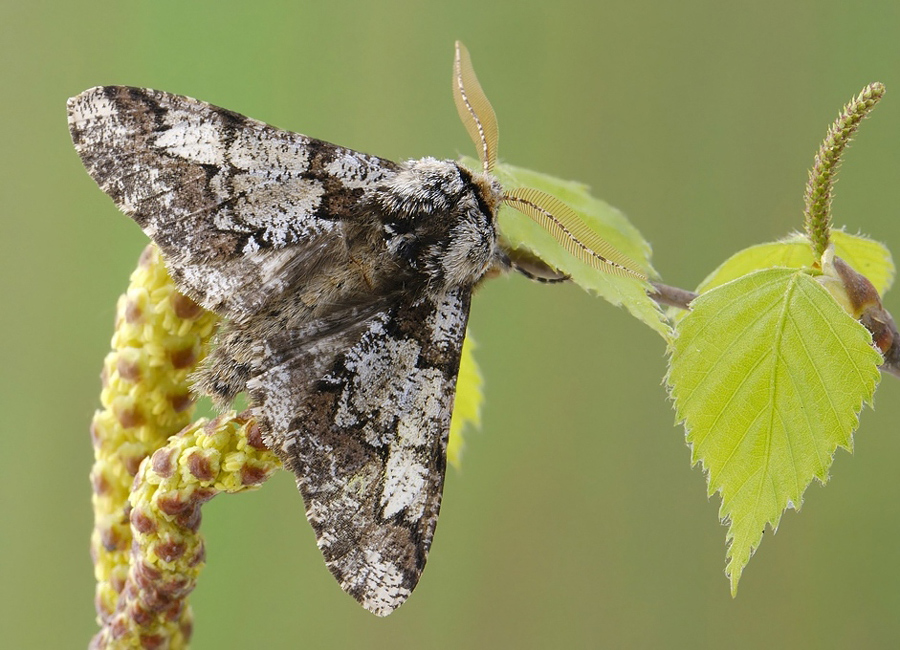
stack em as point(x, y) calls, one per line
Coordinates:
point(534, 268)
point(225, 372)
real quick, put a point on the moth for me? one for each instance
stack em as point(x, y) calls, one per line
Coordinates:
point(344, 282)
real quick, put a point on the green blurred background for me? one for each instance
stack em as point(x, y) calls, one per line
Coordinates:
point(575, 520)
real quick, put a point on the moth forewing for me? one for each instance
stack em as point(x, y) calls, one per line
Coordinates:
point(366, 414)
point(236, 206)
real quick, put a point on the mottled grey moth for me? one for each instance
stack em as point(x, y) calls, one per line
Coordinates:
point(344, 282)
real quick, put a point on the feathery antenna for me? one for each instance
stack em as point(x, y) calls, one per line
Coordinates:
point(561, 221)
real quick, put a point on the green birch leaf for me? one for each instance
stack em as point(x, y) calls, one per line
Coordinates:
point(467, 406)
point(520, 231)
point(868, 257)
point(768, 374)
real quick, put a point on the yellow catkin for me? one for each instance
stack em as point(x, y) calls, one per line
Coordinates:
point(226, 455)
point(145, 400)
point(160, 337)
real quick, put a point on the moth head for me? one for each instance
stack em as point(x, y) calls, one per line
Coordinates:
point(550, 213)
point(458, 247)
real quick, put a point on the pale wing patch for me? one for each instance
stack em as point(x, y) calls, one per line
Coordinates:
point(279, 211)
point(92, 107)
point(192, 138)
point(373, 400)
point(405, 480)
point(255, 151)
point(445, 323)
point(351, 170)
point(384, 585)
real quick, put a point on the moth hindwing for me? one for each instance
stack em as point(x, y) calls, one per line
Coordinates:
point(344, 281)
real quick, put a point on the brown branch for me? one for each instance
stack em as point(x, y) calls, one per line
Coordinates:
point(672, 296)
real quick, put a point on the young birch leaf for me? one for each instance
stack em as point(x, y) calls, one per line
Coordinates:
point(865, 255)
point(768, 374)
point(467, 406)
point(521, 231)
